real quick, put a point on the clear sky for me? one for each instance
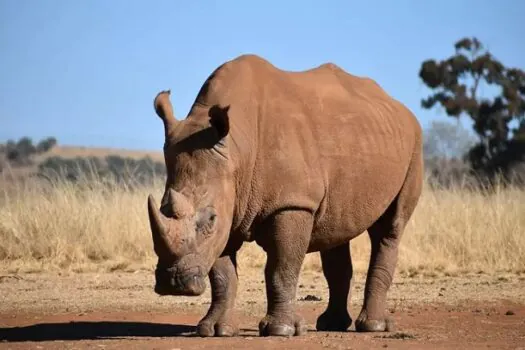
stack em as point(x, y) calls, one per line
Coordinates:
point(87, 71)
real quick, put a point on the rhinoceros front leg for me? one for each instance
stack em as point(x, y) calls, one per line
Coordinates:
point(219, 320)
point(285, 239)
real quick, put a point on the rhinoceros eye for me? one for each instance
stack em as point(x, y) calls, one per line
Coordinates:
point(206, 220)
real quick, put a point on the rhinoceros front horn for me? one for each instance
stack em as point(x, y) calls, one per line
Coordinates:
point(159, 229)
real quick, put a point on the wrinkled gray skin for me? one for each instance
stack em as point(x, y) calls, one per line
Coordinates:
point(298, 162)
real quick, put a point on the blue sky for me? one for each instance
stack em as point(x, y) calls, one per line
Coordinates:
point(86, 72)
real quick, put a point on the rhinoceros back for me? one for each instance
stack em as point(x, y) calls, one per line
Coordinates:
point(320, 140)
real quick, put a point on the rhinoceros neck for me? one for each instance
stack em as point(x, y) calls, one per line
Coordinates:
point(239, 148)
point(243, 85)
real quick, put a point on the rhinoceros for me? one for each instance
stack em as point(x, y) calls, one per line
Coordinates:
point(299, 162)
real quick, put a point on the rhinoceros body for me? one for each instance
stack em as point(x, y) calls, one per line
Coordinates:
point(298, 162)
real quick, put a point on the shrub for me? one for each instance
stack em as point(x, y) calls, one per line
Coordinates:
point(46, 145)
point(113, 168)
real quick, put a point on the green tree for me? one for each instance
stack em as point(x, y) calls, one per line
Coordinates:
point(498, 121)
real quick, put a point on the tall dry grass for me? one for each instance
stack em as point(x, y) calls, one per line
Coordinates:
point(103, 226)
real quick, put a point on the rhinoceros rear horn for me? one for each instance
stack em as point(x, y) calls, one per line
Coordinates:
point(180, 205)
point(164, 110)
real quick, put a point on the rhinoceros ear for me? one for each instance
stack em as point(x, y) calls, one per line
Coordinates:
point(164, 110)
point(220, 120)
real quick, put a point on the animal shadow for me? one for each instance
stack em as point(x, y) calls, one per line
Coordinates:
point(93, 331)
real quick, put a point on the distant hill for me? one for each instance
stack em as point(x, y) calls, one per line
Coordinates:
point(77, 151)
point(22, 159)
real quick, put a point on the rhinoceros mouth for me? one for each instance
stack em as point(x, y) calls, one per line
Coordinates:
point(187, 282)
point(185, 286)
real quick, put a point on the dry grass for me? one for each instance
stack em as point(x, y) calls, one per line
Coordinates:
point(101, 227)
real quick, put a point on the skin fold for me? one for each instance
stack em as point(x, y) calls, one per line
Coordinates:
point(298, 162)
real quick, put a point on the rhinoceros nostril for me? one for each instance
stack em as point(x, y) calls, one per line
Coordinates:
point(192, 271)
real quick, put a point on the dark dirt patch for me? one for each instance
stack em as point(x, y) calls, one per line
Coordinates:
point(398, 335)
point(310, 297)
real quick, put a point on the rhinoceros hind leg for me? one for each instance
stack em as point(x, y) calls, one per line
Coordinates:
point(337, 268)
point(385, 235)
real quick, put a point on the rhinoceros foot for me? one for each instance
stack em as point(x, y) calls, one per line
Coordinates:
point(366, 325)
point(211, 328)
point(282, 326)
point(334, 321)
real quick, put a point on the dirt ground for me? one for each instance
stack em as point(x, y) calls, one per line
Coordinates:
point(120, 311)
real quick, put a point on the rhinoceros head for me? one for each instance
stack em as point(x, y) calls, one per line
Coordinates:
point(191, 227)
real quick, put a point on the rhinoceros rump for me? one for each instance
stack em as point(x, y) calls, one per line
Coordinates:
point(298, 162)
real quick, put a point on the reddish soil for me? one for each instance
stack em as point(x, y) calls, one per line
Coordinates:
point(121, 311)
point(470, 326)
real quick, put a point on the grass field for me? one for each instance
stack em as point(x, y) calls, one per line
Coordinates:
point(76, 267)
point(105, 228)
